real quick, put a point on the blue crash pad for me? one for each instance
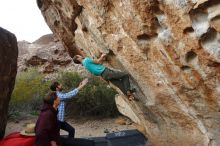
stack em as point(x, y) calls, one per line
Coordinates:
point(121, 138)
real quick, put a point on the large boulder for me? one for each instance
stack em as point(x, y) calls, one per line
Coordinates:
point(170, 48)
point(8, 71)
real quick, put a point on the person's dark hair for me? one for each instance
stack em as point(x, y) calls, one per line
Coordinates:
point(50, 97)
point(54, 85)
point(75, 60)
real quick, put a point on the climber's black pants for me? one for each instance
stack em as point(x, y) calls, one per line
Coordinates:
point(118, 78)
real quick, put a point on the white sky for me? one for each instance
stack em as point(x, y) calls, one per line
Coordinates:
point(23, 18)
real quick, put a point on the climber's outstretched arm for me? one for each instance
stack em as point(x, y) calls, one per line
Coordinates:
point(100, 59)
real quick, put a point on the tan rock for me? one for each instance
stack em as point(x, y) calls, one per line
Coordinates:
point(140, 128)
point(199, 2)
point(120, 121)
point(171, 50)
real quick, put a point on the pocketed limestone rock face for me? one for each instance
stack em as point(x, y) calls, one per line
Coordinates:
point(171, 50)
point(8, 71)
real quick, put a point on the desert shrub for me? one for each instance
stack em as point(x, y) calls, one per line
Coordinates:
point(30, 87)
point(95, 99)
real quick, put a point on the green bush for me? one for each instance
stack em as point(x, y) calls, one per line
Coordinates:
point(30, 87)
point(95, 99)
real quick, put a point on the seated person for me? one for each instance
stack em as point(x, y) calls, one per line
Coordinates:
point(118, 78)
point(47, 127)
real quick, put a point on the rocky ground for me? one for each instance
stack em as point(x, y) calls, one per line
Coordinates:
point(84, 127)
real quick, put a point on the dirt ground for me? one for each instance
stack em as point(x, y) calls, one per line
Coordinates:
point(84, 127)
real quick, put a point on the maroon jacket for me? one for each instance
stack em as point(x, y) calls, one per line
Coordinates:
point(47, 128)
